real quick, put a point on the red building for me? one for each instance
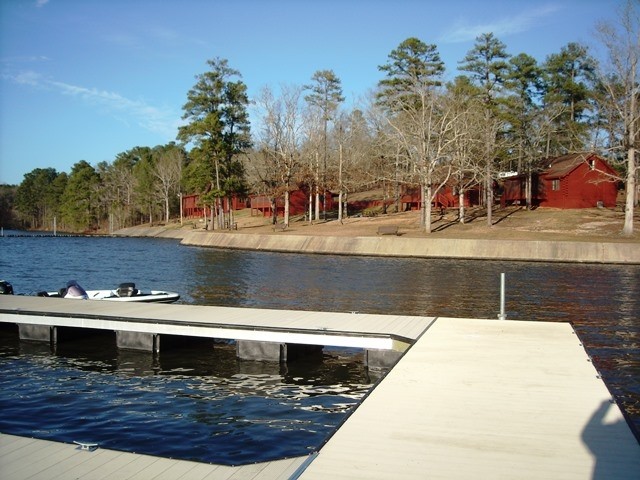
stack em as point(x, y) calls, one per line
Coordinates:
point(191, 207)
point(298, 203)
point(446, 197)
point(578, 180)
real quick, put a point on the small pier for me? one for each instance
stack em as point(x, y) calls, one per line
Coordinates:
point(260, 334)
point(468, 398)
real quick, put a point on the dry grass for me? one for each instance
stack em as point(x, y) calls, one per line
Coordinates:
point(593, 224)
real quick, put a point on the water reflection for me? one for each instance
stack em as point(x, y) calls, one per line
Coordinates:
point(235, 411)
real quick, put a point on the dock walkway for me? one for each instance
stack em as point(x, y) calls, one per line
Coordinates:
point(24, 458)
point(469, 399)
point(391, 332)
point(486, 399)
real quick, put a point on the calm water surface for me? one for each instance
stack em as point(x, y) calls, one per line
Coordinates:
point(202, 403)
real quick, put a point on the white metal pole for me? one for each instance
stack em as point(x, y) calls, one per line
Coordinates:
point(502, 315)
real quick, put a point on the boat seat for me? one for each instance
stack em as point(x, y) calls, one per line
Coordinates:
point(127, 290)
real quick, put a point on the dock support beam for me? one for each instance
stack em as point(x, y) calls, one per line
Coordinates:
point(148, 342)
point(38, 333)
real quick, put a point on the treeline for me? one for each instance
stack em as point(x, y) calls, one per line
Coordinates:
point(416, 130)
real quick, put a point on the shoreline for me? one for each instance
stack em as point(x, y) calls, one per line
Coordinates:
point(566, 251)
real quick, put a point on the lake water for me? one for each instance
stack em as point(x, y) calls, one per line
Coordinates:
point(201, 403)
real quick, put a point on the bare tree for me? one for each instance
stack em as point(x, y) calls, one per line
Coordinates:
point(466, 155)
point(167, 174)
point(420, 119)
point(620, 80)
point(281, 137)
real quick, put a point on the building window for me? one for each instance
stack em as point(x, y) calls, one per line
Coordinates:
point(592, 164)
point(555, 185)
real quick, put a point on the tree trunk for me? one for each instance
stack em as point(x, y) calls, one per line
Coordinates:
point(340, 189)
point(310, 206)
point(286, 207)
point(627, 229)
point(317, 186)
point(426, 196)
point(489, 193)
point(529, 189)
point(274, 211)
point(461, 206)
point(166, 208)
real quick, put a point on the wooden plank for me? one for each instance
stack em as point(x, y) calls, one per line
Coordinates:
point(485, 399)
point(34, 458)
point(45, 460)
point(280, 326)
point(9, 443)
point(88, 463)
point(281, 469)
point(140, 465)
point(156, 467)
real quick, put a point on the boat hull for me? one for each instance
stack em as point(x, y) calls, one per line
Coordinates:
point(150, 296)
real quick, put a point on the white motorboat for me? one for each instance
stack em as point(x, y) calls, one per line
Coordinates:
point(126, 292)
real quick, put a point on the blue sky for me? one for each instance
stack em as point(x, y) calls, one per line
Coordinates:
point(88, 79)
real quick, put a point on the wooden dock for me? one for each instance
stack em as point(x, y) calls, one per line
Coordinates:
point(486, 399)
point(469, 399)
point(385, 332)
point(27, 458)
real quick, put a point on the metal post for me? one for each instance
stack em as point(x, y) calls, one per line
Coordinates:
point(502, 315)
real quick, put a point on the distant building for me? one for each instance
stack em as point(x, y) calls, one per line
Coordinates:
point(298, 203)
point(192, 208)
point(578, 180)
point(447, 197)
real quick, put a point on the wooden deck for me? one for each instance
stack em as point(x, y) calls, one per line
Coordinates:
point(392, 332)
point(26, 458)
point(486, 399)
point(469, 399)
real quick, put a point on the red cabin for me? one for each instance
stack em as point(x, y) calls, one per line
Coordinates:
point(298, 203)
point(446, 197)
point(579, 180)
point(191, 207)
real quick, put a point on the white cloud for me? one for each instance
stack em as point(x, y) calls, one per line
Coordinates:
point(156, 120)
point(464, 31)
point(41, 3)
point(162, 121)
point(27, 78)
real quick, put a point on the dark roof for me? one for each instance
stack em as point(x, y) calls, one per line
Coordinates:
point(562, 166)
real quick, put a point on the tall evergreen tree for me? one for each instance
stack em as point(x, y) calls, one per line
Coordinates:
point(326, 96)
point(487, 64)
point(38, 197)
point(218, 123)
point(413, 66)
point(80, 200)
point(525, 88)
point(570, 85)
point(418, 118)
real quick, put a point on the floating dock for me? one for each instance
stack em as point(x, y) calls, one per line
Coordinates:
point(468, 398)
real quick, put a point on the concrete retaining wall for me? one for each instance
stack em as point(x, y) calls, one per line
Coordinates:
point(159, 232)
point(543, 251)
